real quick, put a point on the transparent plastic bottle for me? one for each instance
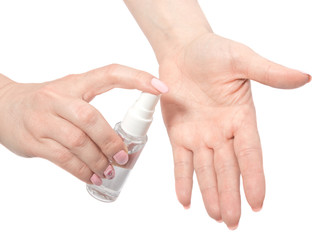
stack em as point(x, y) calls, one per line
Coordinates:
point(133, 130)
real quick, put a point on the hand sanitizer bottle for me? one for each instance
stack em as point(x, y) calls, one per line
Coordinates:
point(133, 130)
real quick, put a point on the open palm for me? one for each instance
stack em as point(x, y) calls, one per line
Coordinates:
point(210, 118)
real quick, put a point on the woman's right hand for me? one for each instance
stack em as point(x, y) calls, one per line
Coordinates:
point(54, 120)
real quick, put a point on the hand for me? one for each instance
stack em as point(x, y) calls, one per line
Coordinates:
point(210, 118)
point(54, 120)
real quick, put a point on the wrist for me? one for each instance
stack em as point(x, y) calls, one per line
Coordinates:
point(4, 84)
point(176, 40)
point(169, 25)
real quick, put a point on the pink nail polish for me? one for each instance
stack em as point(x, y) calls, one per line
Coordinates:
point(121, 157)
point(96, 180)
point(159, 85)
point(133, 130)
point(109, 172)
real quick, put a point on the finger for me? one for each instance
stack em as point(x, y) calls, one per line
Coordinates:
point(204, 168)
point(183, 172)
point(105, 78)
point(74, 139)
point(249, 154)
point(90, 121)
point(272, 74)
point(228, 176)
point(63, 158)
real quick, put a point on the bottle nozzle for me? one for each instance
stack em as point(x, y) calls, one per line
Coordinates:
point(139, 117)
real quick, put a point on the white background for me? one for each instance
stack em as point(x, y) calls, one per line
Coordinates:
point(44, 40)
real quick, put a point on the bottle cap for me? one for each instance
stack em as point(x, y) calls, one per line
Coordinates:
point(139, 116)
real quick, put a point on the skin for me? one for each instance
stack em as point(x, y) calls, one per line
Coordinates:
point(209, 112)
point(54, 120)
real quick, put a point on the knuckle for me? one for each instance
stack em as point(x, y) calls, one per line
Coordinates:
point(183, 183)
point(83, 173)
point(182, 170)
point(63, 157)
point(204, 168)
point(78, 139)
point(182, 178)
point(110, 145)
point(101, 164)
point(112, 69)
point(86, 115)
point(248, 152)
point(229, 188)
point(141, 76)
point(80, 171)
point(223, 168)
point(45, 92)
point(208, 188)
point(248, 173)
point(111, 73)
point(181, 164)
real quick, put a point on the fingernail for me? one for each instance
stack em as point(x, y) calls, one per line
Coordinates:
point(121, 157)
point(159, 85)
point(309, 78)
point(233, 227)
point(187, 207)
point(219, 221)
point(109, 173)
point(96, 180)
point(257, 209)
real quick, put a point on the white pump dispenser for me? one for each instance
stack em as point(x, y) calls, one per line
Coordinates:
point(139, 117)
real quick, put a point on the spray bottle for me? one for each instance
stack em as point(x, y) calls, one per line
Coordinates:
point(133, 130)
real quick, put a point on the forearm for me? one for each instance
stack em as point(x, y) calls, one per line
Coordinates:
point(4, 82)
point(168, 24)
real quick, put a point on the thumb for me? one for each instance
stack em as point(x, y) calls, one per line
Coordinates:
point(273, 74)
point(103, 79)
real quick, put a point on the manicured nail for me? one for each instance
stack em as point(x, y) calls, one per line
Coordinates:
point(109, 172)
point(233, 227)
point(159, 85)
point(121, 157)
point(96, 180)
